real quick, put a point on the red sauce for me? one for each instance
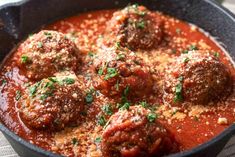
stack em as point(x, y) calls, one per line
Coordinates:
point(189, 131)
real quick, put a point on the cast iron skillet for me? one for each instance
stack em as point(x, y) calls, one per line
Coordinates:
point(19, 19)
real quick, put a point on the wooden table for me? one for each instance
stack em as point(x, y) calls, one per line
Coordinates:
point(229, 150)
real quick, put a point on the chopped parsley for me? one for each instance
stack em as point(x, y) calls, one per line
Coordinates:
point(69, 81)
point(186, 60)
point(126, 91)
point(178, 30)
point(144, 104)
point(75, 141)
point(140, 24)
point(24, 59)
point(4, 81)
point(111, 72)
point(125, 106)
point(193, 47)
point(18, 95)
point(152, 117)
point(184, 51)
point(100, 71)
point(107, 109)
point(89, 98)
point(173, 51)
point(196, 118)
point(101, 120)
point(90, 54)
point(120, 56)
point(216, 54)
point(118, 44)
point(179, 90)
point(48, 34)
point(40, 45)
point(45, 95)
point(33, 89)
point(98, 139)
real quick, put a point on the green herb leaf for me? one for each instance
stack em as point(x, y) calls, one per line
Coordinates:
point(140, 24)
point(178, 30)
point(107, 109)
point(69, 81)
point(179, 90)
point(186, 60)
point(193, 47)
point(144, 104)
point(18, 95)
point(126, 106)
point(152, 117)
point(40, 45)
point(98, 139)
point(24, 59)
point(75, 141)
point(101, 120)
point(90, 54)
point(89, 98)
point(216, 54)
point(111, 72)
point(120, 56)
point(4, 81)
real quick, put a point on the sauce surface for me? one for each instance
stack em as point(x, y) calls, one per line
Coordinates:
point(87, 32)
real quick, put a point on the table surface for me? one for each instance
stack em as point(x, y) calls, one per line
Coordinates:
point(229, 150)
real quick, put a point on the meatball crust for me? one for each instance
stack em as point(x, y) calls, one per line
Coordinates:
point(120, 69)
point(129, 133)
point(136, 27)
point(197, 77)
point(46, 53)
point(53, 103)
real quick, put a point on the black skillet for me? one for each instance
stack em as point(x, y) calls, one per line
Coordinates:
point(19, 19)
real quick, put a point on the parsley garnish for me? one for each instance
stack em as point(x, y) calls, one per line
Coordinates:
point(24, 59)
point(89, 98)
point(40, 45)
point(4, 81)
point(151, 117)
point(75, 141)
point(125, 106)
point(216, 54)
point(18, 95)
point(111, 72)
point(69, 81)
point(186, 60)
point(120, 56)
point(140, 24)
point(98, 139)
point(101, 120)
point(107, 109)
point(193, 47)
point(178, 90)
point(144, 104)
point(90, 54)
point(178, 30)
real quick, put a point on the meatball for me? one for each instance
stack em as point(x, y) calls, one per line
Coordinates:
point(136, 27)
point(53, 103)
point(197, 77)
point(131, 133)
point(46, 53)
point(118, 71)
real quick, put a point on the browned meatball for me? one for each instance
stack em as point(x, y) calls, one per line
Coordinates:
point(46, 53)
point(136, 133)
point(53, 103)
point(121, 70)
point(135, 27)
point(197, 77)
